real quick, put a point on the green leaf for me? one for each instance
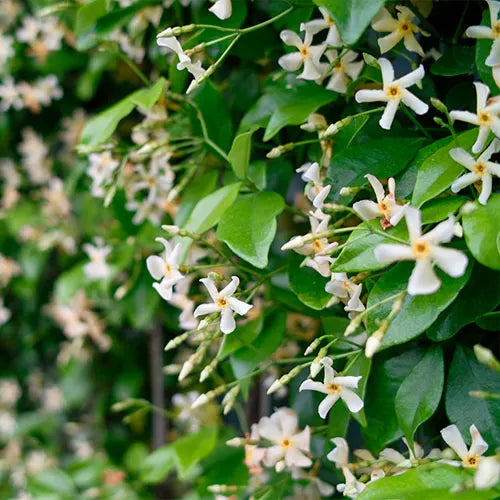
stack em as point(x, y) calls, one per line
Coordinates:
point(242, 336)
point(156, 466)
point(120, 16)
point(52, 481)
point(249, 227)
point(482, 232)
point(379, 157)
point(86, 17)
point(467, 374)
point(480, 295)
point(386, 377)
point(418, 312)
point(353, 17)
point(426, 482)
point(192, 448)
point(100, 128)
point(358, 254)
point(361, 367)
point(439, 169)
point(416, 402)
point(69, 282)
point(257, 174)
point(297, 110)
point(239, 154)
point(457, 60)
point(142, 301)
point(438, 209)
point(307, 284)
point(490, 321)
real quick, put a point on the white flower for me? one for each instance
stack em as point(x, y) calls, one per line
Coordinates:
point(10, 391)
point(352, 488)
point(224, 302)
point(102, 166)
point(316, 25)
point(481, 169)
point(386, 205)
point(426, 251)
point(281, 428)
point(486, 116)
point(340, 454)
point(314, 191)
point(491, 32)
point(470, 457)
point(487, 473)
point(395, 457)
point(307, 55)
point(335, 388)
point(349, 292)
point(97, 268)
point(7, 424)
point(345, 68)
point(165, 268)
point(179, 299)
point(10, 96)
point(34, 154)
point(6, 49)
point(401, 28)
point(393, 92)
point(222, 9)
point(318, 251)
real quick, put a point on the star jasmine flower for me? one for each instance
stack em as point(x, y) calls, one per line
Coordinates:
point(486, 116)
point(316, 25)
point(308, 55)
point(289, 443)
point(340, 454)
point(165, 269)
point(335, 388)
point(396, 458)
point(481, 169)
point(346, 290)
point(393, 92)
point(315, 191)
point(222, 9)
point(386, 205)
point(491, 32)
point(352, 488)
point(426, 251)
point(97, 268)
point(345, 69)
point(401, 28)
point(319, 251)
point(470, 457)
point(224, 302)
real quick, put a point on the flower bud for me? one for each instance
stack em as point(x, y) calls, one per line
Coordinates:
point(173, 230)
point(348, 191)
point(237, 442)
point(312, 347)
point(176, 341)
point(200, 401)
point(316, 364)
point(370, 60)
point(439, 121)
point(486, 357)
point(487, 473)
point(275, 386)
point(439, 105)
point(468, 208)
point(353, 326)
point(295, 242)
point(373, 344)
point(458, 230)
point(205, 373)
point(274, 153)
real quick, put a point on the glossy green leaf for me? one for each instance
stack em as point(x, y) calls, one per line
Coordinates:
point(85, 21)
point(239, 154)
point(457, 60)
point(467, 374)
point(361, 367)
point(418, 312)
point(249, 227)
point(386, 377)
point(52, 480)
point(480, 295)
point(353, 17)
point(307, 284)
point(100, 127)
point(242, 336)
point(490, 321)
point(439, 169)
point(482, 232)
point(426, 482)
point(379, 157)
point(296, 111)
point(438, 209)
point(358, 254)
point(192, 448)
point(156, 466)
point(416, 402)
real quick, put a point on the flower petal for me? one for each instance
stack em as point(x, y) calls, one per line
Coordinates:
point(451, 261)
point(389, 252)
point(442, 233)
point(367, 209)
point(414, 102)
point(239, 306)
point(326, 405)
point(423, 279)
point(210, 286)
point(387, 42)
point(268, 429)
point(479, 445)
point(412, 45)
point(302, 439)
point(387, 71)
point(485, 189)
point(227, 322)
point(494, 57)
point(482, 93)
point(411, 78)
point(464, 181)
point(230, 288)
point(352, 400)
point(452, 437)
point(389, 113)
point(203, 309)
point(482, 136)
point(370, 96)
point(349, 381)
point(156, 266)
point(413, 222)
point(463, 157)
point(291, 62)
point(291, 38)
point(295, 458)
point(311, 385)
point(479, 32)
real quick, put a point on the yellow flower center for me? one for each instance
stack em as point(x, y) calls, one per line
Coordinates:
point(471, 461)
point(384, 207)
point(480, 168)
point(221, 302)
point(329, 21)
point(333, 388)
point(496, 29)
point(304, 51)
point(393, 92)
point(405, 27)
point(317, 246)
point(286, 443)
point(168, 269)
point(484, 118)
point(339, 67)
point(421, 249)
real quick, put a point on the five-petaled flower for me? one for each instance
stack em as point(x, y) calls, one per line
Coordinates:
point(316, 25)
point(470, 457)
point(426, 251)
point(224, 302)
point(290, 444)
point(386, 205)
point(307, 55)
point(347, 291)
point(486, 116)
point(345, 67)
point(393, 92)
point(314, 191)
point(481, 169)
point(335, 388)
point(401, 28)
point(165, 269)
point(491, 32)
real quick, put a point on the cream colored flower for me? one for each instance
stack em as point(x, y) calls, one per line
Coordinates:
point(317, 25)
point(345, 69)
point(470, 457)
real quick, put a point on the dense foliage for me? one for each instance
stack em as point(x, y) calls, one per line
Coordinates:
point(249, 249)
